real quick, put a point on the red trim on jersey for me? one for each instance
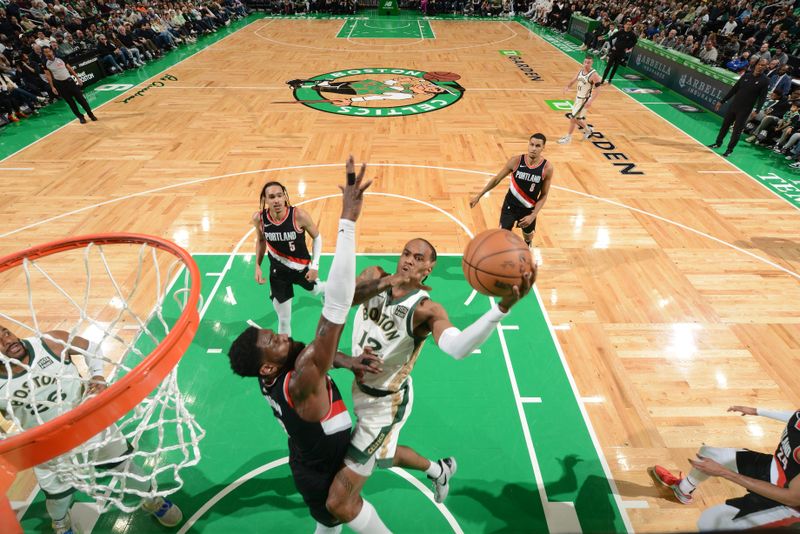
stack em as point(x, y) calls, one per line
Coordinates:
point(521, 159)
point(334, 408)
point(522, 193)
point(286, 389)
point(290, 258)
point(781, 482)
point(277, 223)
point(781, 523)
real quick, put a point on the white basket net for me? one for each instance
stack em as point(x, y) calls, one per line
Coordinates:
point(114, 296)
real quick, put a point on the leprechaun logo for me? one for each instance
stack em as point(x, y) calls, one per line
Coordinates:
point(378, 92)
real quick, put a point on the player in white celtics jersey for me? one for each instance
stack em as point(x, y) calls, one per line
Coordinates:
point(38, 382)
point(588, 88)
point(394, 318)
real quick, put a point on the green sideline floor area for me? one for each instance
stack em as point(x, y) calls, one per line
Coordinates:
point(466, 409)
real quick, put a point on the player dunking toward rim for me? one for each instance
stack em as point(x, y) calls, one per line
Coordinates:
point(588, 87)
point(281, 229)
point(528, 188)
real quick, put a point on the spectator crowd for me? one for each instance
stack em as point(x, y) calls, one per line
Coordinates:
point(122, 34)
point(729, 34)
point(733, 35)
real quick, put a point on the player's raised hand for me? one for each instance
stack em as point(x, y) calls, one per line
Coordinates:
point(353, 190)
point(744, 410)
point(413, 279)
point(519, 291)
point(708, 466)
point(367, 362)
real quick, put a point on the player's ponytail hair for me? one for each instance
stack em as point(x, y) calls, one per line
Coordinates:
point(263, 197)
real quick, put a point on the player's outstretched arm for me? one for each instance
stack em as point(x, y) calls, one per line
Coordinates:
point(779, 415)
point(307, 384)
point(507, 169)
point(790, 496)
point(367, 362)
point(58, 340)
point(374, 280)
point(460, 344)
point(261, 246)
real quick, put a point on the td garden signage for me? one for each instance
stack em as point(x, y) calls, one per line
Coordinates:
point(378, 92)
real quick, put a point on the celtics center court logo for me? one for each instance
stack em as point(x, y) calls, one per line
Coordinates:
point(378, 92)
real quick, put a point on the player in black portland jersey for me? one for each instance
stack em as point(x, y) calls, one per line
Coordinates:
point(316, 448)
point(528, 188)
point(281, 231)
point(294, 377)
point(771, 480)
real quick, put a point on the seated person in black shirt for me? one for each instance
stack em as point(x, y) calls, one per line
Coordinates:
point(772, 110)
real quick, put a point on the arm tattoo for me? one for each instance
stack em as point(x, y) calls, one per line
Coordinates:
point(322, 329)
point(367, 289)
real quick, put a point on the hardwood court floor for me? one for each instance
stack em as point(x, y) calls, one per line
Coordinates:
point(673, 293)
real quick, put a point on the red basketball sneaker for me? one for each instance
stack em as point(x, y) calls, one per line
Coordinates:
point(665, 478)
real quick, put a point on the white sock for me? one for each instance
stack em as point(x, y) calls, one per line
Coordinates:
point(284, 311)
point(434, 470)
point(687, 485)
point(322, 529)
point(367, 521)
point(58, 508)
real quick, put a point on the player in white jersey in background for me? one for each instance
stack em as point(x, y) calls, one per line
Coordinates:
point(39, 382)
point(393, 320)
point(588, 88)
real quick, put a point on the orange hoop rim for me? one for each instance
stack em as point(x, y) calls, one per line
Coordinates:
point(69, 430)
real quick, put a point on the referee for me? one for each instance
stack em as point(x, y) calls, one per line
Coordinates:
point(624, 41)
point(750, 90)
point(60, 75)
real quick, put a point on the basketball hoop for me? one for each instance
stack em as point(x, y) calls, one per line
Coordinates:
point(142, 395)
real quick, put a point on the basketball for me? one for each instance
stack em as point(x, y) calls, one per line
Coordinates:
point(495, 261)
point(441, 76)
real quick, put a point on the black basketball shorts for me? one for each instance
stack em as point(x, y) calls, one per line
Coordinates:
point(282, 280)
point(510, 214)
point(754, 465)
point(313, 485)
